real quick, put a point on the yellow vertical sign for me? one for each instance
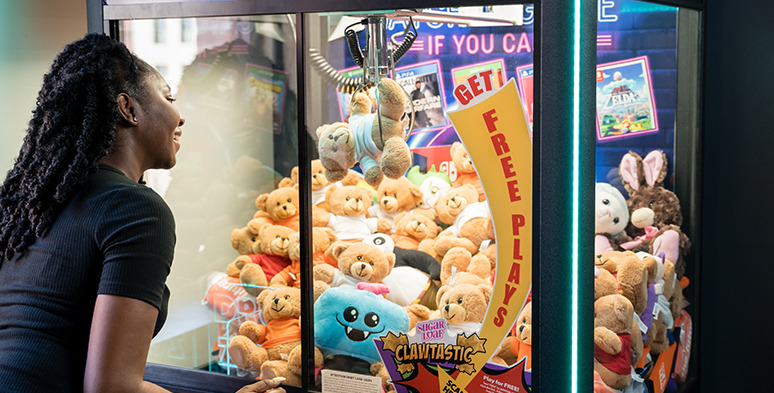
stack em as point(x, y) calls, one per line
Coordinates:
point(497, 139)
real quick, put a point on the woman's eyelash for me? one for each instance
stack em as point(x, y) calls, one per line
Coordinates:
point(172, 99)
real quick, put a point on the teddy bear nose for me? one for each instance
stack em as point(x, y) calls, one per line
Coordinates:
point(521, 328)
point(276, 300)
point(446, 308)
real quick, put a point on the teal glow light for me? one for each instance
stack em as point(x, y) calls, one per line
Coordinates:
point(575, 197)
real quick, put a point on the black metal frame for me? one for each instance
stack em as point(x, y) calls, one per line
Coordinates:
point(552, 162)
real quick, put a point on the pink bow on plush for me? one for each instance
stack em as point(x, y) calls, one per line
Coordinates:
point(650, 231)
point(375, 288)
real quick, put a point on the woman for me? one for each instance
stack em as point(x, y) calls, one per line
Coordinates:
point(85, 248)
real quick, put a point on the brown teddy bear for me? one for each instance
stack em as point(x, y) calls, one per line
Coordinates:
point(519, 344)
point(663, 316)
point(463, 306)
point(290, 369)
point(415, 231)
point(320, 183)
point(612, 340)
point(467, 219)
point(290, 276)
point(466, 172)
point(458, 266)
point(279, 207)
point(395, 196)
point(376, 141)
point(243, 239)
point(269, 257)
point(655, 216)
point(282, 332)
point(358, 263)
point(347, 217)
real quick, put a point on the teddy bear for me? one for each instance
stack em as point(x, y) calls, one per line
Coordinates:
point(458, 266)
point(278, 207)
point(414, 279)
point(358, 263)
point(281, 333)
point(466, 172)
point(320, 183)
point(612, 336)
point(463, 306)
point(395, 196)
point(345, 323)
point(347, 216)
point(518, 345)
point(611, 218)
point(659, 335)
point(243, 239)
point(290, 276)
point(375, 141)
point(634, 276)
point(466, 218)
point(415, 231)
point(432, 183)
point(269, 256)
point(655, 215)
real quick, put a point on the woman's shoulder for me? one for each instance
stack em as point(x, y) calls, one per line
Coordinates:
point(111, 188)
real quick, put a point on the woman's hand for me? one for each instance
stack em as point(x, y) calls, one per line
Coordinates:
point(264, 385)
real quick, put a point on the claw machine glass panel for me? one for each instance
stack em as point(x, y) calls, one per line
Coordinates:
point(646, 174)
point(425, 116)
point(234, 81)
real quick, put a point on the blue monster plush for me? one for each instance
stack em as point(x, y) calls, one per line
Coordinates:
point(346, 322)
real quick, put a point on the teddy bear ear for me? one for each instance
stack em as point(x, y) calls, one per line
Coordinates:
point(320, 129)
point(338, 248)
point(417, 193)
point(399, 217)
point(260, 202)
point(442, 290)
point(263, 295)
point(390, 259)
point(486, 289)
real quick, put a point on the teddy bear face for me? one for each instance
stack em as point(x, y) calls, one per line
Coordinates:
point(363, 261)
point(417, 226)
point(523, 328)
point(611, 210)
point(321, 239)
point(280, 204)
point(461, 159)
point(614, 312)
point(319, 180)
point(336, 148)
point(451, 204)
point(274, 240)
point(349, 201)
point(398, 195)
point(243, 239)
point(280, 303)
point(464, 302)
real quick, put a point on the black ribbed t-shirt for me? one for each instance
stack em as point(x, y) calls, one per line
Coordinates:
point(114, 237)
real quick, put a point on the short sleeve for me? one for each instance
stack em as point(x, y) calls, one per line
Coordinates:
point(137, 239)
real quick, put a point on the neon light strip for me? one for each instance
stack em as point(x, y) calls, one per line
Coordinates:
point(575, 197)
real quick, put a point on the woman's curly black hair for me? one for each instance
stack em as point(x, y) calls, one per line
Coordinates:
point(72, 128)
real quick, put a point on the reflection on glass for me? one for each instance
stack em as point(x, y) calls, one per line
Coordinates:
point(234, 83)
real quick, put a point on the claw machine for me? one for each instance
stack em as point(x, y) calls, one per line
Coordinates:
point(376, 197)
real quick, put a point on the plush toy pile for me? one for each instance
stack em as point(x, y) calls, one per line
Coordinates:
point(641, 327)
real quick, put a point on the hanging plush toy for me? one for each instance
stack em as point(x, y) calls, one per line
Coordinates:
point(376, 141)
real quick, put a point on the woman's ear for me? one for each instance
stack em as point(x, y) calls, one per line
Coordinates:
point(126, 108)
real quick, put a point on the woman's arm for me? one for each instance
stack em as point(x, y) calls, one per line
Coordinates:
point(121, 332)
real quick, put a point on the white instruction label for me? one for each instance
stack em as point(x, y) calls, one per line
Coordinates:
point(344, 382)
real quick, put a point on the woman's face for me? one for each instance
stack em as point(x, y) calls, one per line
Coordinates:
point(160, 124)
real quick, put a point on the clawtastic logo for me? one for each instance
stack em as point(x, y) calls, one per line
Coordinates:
point(431, 344)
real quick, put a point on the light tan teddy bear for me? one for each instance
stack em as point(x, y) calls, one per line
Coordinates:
point(467, 219)
point(376, 141)
point(358, 263)
point(281, 310)
point(612, 332)
point(348, 218)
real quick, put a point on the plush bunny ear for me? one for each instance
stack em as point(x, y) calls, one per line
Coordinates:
point(654, 165)
point(628, 170)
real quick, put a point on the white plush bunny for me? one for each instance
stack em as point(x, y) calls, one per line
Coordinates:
point(611, 218)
